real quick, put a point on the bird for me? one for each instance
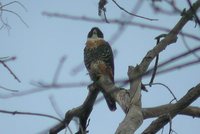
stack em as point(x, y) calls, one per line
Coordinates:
point(99, 61)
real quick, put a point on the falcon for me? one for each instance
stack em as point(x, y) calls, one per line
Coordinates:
point(98, 59)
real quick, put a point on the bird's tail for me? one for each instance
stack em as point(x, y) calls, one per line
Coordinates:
point(110, 102)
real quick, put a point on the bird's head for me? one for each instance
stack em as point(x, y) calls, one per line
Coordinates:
point(95, 32)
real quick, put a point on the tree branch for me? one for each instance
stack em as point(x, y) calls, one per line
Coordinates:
point(82, 112)
point(116, 21)
point(120, 7)
point(29, 113)
point(184, 102)
point(164, 109)
point(134, 117)
point(170, 38)
point(10, 71)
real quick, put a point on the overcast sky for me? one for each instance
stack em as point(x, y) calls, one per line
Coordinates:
point(39, 47)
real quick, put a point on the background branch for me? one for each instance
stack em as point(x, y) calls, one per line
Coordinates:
point(30, 113)
point(116, 21)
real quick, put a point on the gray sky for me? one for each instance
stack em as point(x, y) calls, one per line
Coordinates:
point(39, 48)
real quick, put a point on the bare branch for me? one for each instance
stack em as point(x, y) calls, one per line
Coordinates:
point(43, 88)
point(189, 49)
point(82, 112)
point(7, 89)
point(11, 72)
point(164, 109)
point(173, 11)
point(132, 13)
point(172, 60)
point(7, 59)
point(57, 110)
point(184, 102)
point(156, 62)
point(134, 117)
point(119, 22)
point(30, 113)
point(17, 2)
point(3, 9)
point(58, 70)
point(17, 16)
point(167, 89)
point(55, 107)
point(193, 62)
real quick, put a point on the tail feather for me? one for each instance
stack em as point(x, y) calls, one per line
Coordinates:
point(110, 102)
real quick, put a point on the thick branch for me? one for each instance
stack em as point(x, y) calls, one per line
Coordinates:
point(134, 117)
point(164, 109)
point(121, 96)
point(184, 102)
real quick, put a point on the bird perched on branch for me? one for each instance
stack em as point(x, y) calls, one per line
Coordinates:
point(98, 59)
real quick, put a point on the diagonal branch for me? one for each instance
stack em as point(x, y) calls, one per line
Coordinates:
point(184, 102)
point(82, 112)
point(164, 109)
point(10, 71)
point(170, 38)
point(120, 7)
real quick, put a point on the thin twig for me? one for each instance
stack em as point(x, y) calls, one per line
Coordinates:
point(7, 59)
point(104, 14)
point(55, 107)
point(174, 59)
point(17, 2)
point(58, 70)
point(17, 16)
point(2, 9)
point(173, 11)
point(11, 72)
point(167, 89)
point(157, 58)
point(154, 71)
point(58, 111)
point(7, 89)
point(30, 113)
point(190, 63)
point(187, 46)
point(132, 13)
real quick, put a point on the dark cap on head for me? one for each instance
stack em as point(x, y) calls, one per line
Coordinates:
point(95, 30)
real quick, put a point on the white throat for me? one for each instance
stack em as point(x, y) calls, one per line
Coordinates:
point(94, 37)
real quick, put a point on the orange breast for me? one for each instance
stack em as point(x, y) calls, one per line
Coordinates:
point(92, 43)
